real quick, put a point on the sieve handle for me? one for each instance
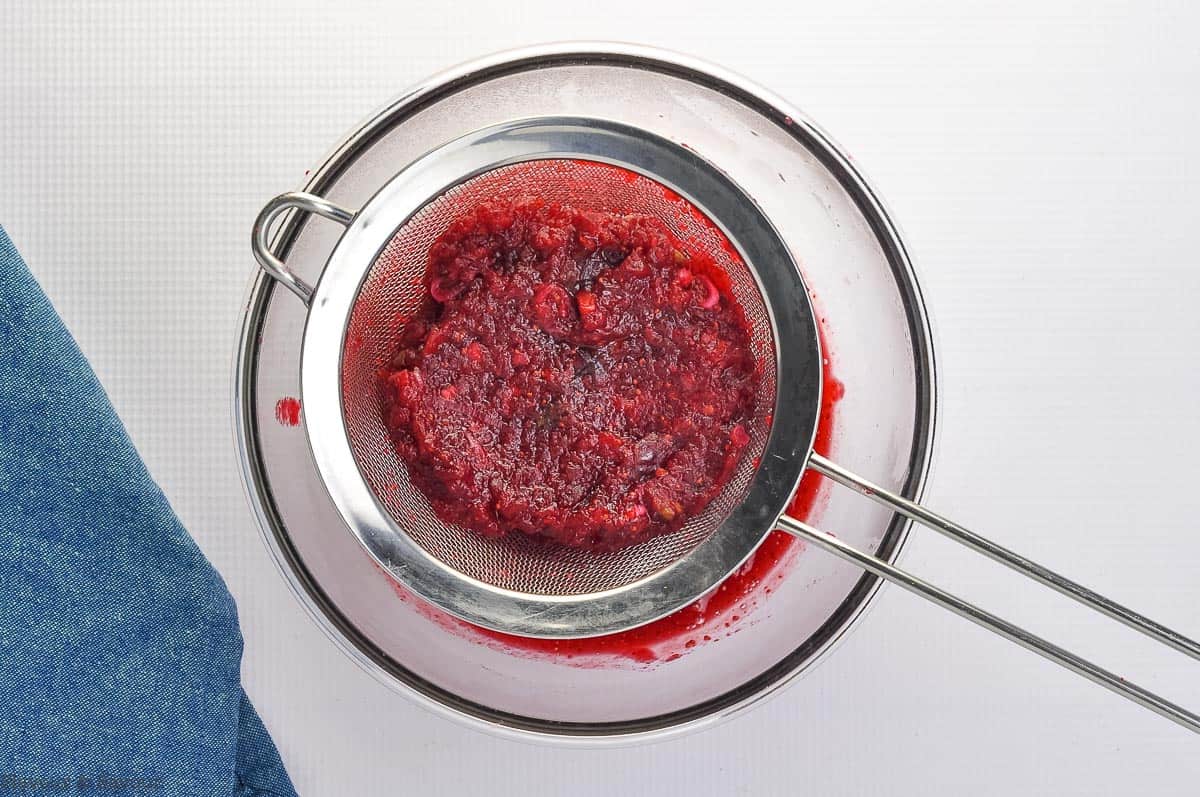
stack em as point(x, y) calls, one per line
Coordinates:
point(294, 200)
point(998, 553)
point(983, 618)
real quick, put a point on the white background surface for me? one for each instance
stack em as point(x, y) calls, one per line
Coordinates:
point(1043, 160)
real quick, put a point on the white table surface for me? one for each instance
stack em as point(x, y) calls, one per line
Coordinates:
point(1043, 159)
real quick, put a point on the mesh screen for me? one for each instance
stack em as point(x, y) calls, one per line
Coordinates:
point(393, 291)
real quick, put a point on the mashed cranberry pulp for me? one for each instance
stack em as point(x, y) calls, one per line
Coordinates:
point(575, 375)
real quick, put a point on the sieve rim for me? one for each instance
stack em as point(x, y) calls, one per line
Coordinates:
point(796, 401)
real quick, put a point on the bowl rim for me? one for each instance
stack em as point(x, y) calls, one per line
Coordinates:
point(393, 673)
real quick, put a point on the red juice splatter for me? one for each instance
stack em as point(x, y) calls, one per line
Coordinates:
point(287, 411)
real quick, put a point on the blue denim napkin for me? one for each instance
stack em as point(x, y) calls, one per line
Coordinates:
point(119, 643)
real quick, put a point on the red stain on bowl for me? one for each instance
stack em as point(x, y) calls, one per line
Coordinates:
point(287, 411)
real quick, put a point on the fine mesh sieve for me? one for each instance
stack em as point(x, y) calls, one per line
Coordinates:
point(394, 291)
point(371, 284)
